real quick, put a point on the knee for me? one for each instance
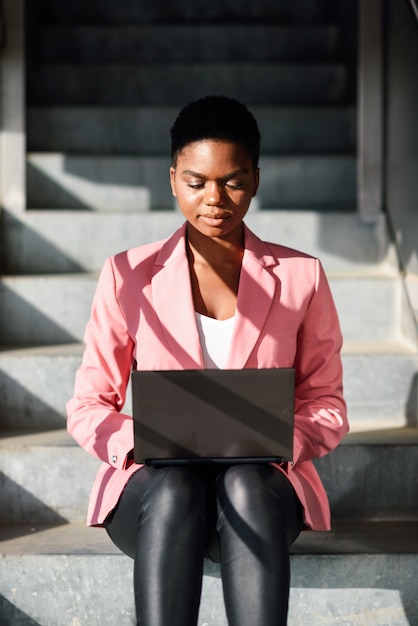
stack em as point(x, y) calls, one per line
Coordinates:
point(258, 497)
point(255, 487)
point(175, 488)
point(241, 484)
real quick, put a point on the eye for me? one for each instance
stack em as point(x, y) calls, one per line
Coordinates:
point(196, 185)
point(234, 184)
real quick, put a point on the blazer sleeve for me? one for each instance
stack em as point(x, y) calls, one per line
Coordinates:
point(95, 419)
point(320, 409)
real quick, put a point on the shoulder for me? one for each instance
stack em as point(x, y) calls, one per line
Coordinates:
point(297, 270)
point(278, 252)
point(281, 252)
point(149, 255)
point(130, 259)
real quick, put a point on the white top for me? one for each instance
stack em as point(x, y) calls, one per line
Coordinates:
point(215, 340)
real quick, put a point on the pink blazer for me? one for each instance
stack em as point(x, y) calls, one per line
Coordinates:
point(143, 316)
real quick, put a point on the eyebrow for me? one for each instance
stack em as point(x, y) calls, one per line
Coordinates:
point(227, 177)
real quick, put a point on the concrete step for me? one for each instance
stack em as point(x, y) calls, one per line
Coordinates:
point(411, 283)
point(54, 309)
point(201, 11)
point(72, 575)
point(179, 43)
point(39, 482)
point(108, 183)
point(175, 84)
point(364, 481)
point(46, 478)
point(36, 383)
point(45, 309)
point(380, 388)
point(74, 241)
point(146, 130)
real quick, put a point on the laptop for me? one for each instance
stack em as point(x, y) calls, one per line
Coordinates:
point(213, 416)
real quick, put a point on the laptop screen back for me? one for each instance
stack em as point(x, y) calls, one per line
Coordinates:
point(213, 415)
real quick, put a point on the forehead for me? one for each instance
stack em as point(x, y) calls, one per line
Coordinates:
point(213, 152)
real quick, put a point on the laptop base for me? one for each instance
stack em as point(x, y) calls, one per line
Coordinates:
point(214, 461)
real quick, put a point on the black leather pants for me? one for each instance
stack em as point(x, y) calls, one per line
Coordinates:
point(244, 516)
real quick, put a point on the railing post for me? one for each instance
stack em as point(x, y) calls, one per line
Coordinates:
point(370, 110)
point(12, 109)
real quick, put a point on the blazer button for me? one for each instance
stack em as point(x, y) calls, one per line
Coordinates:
point(114, 458)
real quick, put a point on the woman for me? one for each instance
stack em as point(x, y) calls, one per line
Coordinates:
point(212, 295)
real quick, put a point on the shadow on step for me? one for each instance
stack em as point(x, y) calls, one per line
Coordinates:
point(373, 481)
point(19, 506)
point(21, 407)
point(361, 537)
point(11, 615)
point(45, 193)
point(25, 318)
point(24, 249)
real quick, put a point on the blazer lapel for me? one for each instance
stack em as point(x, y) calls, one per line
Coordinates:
point(173, 302)
point(257, 287)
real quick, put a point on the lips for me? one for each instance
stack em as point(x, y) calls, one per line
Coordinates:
point(214, 219)
point(217, 216)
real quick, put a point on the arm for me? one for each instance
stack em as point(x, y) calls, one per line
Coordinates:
point(94, 413)
point(320, 410)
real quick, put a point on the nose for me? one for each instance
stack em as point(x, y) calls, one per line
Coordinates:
point(213, 195)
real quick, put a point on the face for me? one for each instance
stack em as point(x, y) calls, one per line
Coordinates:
point(214, 182)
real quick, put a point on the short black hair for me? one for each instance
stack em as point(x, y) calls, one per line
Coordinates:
point(216, 117)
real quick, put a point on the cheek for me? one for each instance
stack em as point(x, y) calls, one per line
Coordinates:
point(186, 196)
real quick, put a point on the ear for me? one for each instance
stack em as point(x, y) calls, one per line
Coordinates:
point(173, 181)
point(256, 181)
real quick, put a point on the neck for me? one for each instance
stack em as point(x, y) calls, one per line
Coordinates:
point(216, 250)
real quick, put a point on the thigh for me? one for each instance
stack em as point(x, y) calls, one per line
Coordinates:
point(167, 487)
point(122, 523)
point(258, 493)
